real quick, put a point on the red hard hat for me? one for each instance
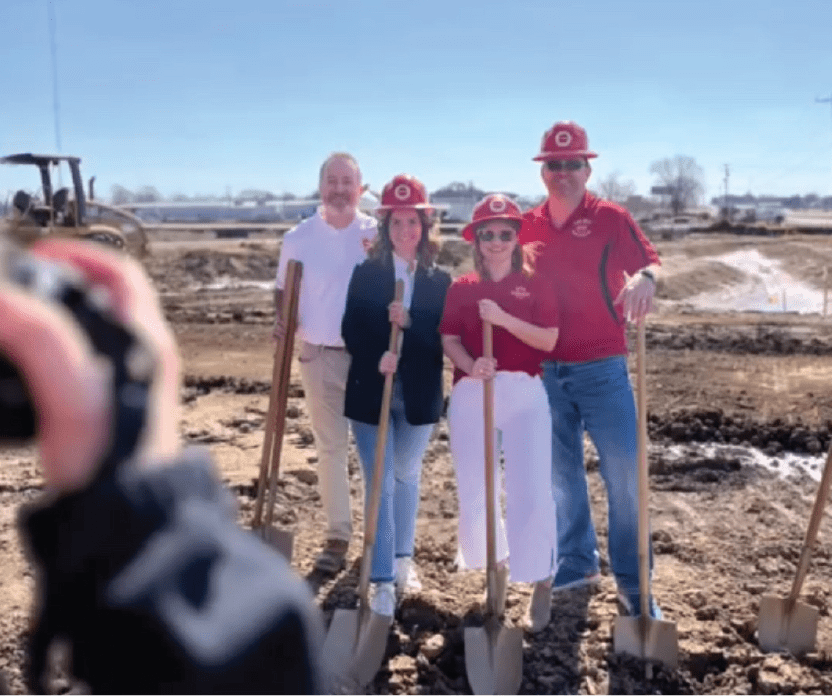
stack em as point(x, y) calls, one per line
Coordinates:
point(404, 191)
point(564, 140)
point(495, 206)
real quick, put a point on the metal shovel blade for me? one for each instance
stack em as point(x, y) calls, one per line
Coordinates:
point(494, 658)
point(352, 653)
point(648, 639)
point(282, 540)
point(781, 627)
point(372, 646)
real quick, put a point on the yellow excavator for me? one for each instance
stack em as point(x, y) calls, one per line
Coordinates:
point(67, 212)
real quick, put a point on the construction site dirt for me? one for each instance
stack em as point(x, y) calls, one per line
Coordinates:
point(740, 419)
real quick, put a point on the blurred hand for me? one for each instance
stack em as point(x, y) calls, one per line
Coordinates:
point(388, 363)
point(492, 312)
point(69, 384)
point(398, 314)
point(636, 297)
point(484, 368)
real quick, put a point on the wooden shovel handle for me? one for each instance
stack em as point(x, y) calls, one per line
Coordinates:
point(276, 417)
point(488, 427)
point(643, 480)
point(814, 525)
point(373, 504)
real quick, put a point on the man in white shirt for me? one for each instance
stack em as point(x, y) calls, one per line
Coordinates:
point(329, 245)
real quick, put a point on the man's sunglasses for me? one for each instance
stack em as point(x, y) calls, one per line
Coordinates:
point(568, 165)
point(488, 235)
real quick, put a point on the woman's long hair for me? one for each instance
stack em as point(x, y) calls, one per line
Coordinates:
point(522, 258)
point(426, 250)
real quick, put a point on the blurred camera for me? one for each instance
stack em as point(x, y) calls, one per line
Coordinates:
point(51, 283)
point(62, 285)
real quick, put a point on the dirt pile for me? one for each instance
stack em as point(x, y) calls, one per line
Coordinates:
point(725, 531)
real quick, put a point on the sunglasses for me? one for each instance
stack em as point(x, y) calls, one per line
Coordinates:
point(488, 235)
point(561, 165)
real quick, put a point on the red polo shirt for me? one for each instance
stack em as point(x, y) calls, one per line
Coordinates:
point(584, 263)
point(523, 297)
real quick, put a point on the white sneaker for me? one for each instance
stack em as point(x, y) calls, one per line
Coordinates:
point(407, 579)
point(540, 606)
point(384, 598)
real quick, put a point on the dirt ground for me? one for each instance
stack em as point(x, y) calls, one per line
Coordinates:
point(724, 531)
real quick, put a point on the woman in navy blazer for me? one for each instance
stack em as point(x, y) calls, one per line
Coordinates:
point(404, 251)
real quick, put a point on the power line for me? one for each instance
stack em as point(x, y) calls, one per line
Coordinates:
point(50, 8)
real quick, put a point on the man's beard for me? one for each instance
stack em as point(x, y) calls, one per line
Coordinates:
point(338, 200)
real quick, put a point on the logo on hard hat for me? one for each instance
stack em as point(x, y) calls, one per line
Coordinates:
point(402, 192)
point(563, 138)
point(497, 205)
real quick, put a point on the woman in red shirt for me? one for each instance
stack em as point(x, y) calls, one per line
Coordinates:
point(503, 290)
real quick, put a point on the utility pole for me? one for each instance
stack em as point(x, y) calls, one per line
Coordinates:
point(727, 209)
point(50, 9)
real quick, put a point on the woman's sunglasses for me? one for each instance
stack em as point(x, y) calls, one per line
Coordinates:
point(568, 165)
point(488, 235)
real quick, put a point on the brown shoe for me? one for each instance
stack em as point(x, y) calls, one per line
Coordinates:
point(333, 557)
point(540, 606)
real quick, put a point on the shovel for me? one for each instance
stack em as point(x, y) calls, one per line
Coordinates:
point(493, 652)
point(786, 624)
point(643, 636)
point(280, 539)
point(355, 644)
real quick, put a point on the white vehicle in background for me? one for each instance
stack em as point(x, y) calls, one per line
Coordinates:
point(771, 213)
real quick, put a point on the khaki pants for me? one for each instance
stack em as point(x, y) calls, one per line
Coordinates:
point(323, 373)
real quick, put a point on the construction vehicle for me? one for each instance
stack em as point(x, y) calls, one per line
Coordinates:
point(67, 212)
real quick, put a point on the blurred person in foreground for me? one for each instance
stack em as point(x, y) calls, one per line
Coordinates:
point(602, 272)
point(141, 566)
point(329, 245)
point(503, 290)
point(404, 250)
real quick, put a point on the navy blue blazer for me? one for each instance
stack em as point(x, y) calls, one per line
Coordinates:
point(366, 331)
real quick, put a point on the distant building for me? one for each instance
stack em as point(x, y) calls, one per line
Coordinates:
point(202, 211)
point(810, 201)
point(457, 200)
point(289, 210)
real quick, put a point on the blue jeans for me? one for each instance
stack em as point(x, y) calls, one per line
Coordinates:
point(404, 449)
point(595, 397)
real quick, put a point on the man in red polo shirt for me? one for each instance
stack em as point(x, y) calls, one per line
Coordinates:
point(602, 270)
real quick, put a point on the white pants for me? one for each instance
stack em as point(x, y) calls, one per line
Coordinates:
point(522, 417)
point(323, 373)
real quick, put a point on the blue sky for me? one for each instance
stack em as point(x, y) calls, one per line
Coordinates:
point(206, 96)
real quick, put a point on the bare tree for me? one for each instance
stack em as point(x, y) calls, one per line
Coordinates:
point(148, 194)
point(612, 188)
point(120, 195)
point(259, 196)
point(683, 179)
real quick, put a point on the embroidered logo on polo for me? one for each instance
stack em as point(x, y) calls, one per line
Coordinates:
point(521, 293)
point(497, 205)
point(402, 192)
point(563, 139)
point(581, 227)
